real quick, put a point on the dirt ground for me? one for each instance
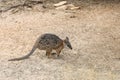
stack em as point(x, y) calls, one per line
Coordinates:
point(94, 33)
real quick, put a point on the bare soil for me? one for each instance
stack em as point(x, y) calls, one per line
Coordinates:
point(94, 33)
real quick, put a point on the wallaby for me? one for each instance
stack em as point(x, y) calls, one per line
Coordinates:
point(47, 42)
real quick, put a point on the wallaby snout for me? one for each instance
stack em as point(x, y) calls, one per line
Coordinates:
point(66, 41)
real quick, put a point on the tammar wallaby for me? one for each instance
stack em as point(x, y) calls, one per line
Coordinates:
point(47, 42)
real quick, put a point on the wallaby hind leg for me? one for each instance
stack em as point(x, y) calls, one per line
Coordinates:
point(59, 50)
point(48, 52)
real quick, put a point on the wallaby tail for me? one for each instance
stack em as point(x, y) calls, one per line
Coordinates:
point(24, 57)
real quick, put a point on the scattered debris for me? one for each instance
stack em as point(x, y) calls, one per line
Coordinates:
point(64, 6)
point(72, 7)
point(60, 3)
point(26, 3)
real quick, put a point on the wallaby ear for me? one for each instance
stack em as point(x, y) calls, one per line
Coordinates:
point(67, 38)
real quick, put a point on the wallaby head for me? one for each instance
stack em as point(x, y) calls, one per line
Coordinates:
point(66, 41)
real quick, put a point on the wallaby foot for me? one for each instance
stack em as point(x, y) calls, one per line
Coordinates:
point(58, 55)
point(48, 52)
point(53, 53)
point(59, 50)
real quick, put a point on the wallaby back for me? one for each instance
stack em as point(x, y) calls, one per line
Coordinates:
point(49, 41)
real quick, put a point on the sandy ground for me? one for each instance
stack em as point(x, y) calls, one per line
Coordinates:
point(94, 34)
